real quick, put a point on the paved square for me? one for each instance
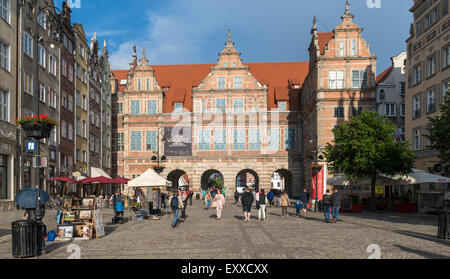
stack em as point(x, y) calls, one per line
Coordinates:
point(201, 236)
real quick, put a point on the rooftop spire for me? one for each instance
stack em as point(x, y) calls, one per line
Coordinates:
point(347, 9)
point(347, 14)
point(229, 43)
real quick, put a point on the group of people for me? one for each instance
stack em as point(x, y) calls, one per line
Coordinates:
point(178, 202)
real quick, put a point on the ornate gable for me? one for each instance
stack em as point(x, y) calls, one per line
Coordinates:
point(141, 77)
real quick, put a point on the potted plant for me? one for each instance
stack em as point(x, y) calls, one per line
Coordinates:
point(316, 168)
point(357, 206)
point(158, 169)
point(37, 127)
point(405, 205)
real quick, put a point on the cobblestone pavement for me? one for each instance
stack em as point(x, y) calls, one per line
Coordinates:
point(201, 236)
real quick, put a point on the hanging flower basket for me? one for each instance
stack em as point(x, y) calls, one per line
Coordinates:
point(316, 168)
point(36, 127)
point(158, 169)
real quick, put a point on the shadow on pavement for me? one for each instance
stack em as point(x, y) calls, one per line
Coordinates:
point(399, 218)
point(424, 237)
point(52, 246)
point(425, 254)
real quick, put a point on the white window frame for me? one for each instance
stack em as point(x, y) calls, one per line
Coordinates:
point(42, 19)
point(52, 98)
point(221, 82)
point(28, 44)
point(4, 105)
point(431, 99)
point(5, 54)
point(5, 10)
point(42, 92)
point(335, 81)
point(28, 83)
point(353, 48)
point(238, 105)
point(390, 109)
point(237, 82)
point(341, 48)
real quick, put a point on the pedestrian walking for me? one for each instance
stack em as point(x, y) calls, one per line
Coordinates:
point(262, 200)
point(247, 202)
point(236, 197)
point(163, 199)
point(336, 204)
point(191, 194)
point(327, 203)
point(204, 197)
point(208, 200)
point(304, 200)
point(184, 198)
point(118, 204)
point(176, 204)
point(220, 201)
point(284, 204)
point(298, 207)
point(270, 197)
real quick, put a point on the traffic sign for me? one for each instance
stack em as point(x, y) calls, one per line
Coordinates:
point(31, 146)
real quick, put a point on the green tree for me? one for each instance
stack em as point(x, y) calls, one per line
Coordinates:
point(439, 132)
point(365, 146)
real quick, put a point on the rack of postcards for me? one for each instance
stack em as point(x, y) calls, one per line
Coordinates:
point(80, 219)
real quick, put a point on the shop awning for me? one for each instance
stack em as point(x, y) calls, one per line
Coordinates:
point(101, 179)
point(121, 180)
point(62, 179)
point(418, 177)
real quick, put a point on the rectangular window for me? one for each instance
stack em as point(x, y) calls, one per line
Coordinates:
point(221, 105)
point(431, 65)
point(402, 110)
point(339, 112)
point(417, 75)
point(84, 129)
point(390, 110)
point(5, 10)
point(120, 142)
point(416, 139)
point(52, 65)
point(42, 92)
point(4, 55)
point(135, 140)
point(444, 6)
point(28, 83)
point(84, 102)
point(239, 139)
point(78, 98)
point(431, 100)
point(342, 48)
point(178, 107)
point(282, 106)
point(4, 105)
point(204, 140)
point(78, 155)
point(119, 107)
point(221, 82)
point(70, 103)
point(70, 131)
point(289, 139)
point(28, 44)
point(220, 139)
point(274, 139)
point(336, 80)
point(148, 84)
point(419, 28)
point(445, 87)
point(151, 140)
point(139, 84)
point(446, 57)
point(353, 47)
point(64, 66)
point(403, 88)
point(356, 111)
point(41, 55)
point(359, 78)
point(151, 107)
point(52, 98)
point(416, 106)
point(238, 105)
point(92, 143)
point(78, 127)
point(71, 73)
point(42, 19)
point(135, 107)
point(63, 129)
point(237, 82)
point(255, 139)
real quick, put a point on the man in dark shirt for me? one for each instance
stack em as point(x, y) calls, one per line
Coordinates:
point(336, 206)
point(247, 201)
point(304, 201)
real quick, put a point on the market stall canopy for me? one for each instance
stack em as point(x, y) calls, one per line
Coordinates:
point(77, 180)
point(121, 180)
point(419, 176)
point(341, 179)
point(148, 179)
point(62, 179)
point(96, 172)
point(101, 179)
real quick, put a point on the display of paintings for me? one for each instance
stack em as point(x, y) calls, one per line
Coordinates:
point(85, 214)
point(65, 232)
point(69, 216)
point(88, 202)
point(99, 223)
point(67, 202)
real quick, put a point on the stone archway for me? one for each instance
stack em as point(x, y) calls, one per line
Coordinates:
point(178, 178)
point(284, 178)
point(247, 178)
point(210, 178)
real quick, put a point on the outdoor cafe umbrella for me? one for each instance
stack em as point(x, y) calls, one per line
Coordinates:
point(419, 176)
point(62, 179)
point(27, 198)
point(120, 180)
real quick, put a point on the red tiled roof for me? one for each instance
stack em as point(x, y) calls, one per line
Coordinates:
point(121, 75)
point(324, 38)
point(384, 74)
point(182, 78)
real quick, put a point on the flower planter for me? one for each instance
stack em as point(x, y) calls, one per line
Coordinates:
point(405, 207)
point(158, 169)
point(357, 208)
point(36, 131)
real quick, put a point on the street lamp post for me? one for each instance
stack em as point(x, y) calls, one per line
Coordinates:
point(159, 158)
point(316, 157)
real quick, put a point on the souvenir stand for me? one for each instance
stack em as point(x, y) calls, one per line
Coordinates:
point(80, 220)
point(151, 185)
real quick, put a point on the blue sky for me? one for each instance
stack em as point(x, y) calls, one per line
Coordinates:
point(194, 31)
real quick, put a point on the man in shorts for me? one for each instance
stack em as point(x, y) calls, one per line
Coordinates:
point(247, 202)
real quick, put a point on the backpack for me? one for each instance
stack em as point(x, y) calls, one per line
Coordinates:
point(327, 200)
point(174, 202)
point(262, 199)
